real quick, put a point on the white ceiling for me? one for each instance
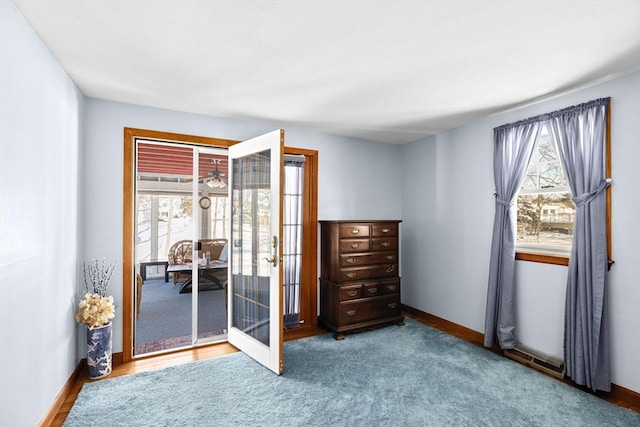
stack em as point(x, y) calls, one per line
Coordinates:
point(386, 71)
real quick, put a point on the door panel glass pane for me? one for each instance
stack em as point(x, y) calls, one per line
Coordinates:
point(164, 230)
point(252, 244)
point(212, 197)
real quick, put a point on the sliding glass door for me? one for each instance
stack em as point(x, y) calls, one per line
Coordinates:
point(181, 211)
point(211, 244)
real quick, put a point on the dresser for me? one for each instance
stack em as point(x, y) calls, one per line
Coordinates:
point(359, 281)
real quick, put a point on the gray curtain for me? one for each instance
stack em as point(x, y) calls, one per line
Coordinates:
point(513, 146)
point(579, 133)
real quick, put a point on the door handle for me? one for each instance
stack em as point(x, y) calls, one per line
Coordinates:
point(274, 258)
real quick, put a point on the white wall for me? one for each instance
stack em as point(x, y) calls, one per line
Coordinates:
point(445, 210)
point(348, 189)
point(448, 208)
point(41, 116)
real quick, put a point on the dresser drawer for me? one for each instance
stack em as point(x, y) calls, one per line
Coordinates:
point(368, 259)
point(354, 245)
point(384, 243)
point(385, 287)
point(359, 273)
point(370, 290)
point(369, 309)
point(384, 229)
point(347, 293)
point(389, 286)
point(354, 230)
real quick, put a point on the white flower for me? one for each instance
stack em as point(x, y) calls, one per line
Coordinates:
point(95, 310)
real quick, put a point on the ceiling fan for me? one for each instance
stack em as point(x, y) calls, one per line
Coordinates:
point(216, 180)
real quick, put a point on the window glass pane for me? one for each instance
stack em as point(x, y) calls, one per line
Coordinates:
point(545, 170)
point(143, 229)
point(545, 209)
point(218, 216)
point(545, 222)
point(176, 218)
point(162, 220)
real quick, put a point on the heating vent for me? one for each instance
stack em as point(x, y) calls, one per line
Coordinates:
point(537, 360)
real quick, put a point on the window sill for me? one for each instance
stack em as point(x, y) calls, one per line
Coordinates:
point(543, 258)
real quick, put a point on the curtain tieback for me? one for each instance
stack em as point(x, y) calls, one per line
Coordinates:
point(585, 198)
point(503, 202)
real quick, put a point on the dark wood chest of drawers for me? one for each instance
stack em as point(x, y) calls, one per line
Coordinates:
point(359, 282)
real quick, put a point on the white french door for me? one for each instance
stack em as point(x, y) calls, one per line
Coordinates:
point(255, 243)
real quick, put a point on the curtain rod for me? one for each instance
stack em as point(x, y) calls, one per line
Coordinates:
point(594, 103)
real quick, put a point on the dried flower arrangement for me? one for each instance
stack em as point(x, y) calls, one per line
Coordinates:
point(97, 275)
point(96, 309)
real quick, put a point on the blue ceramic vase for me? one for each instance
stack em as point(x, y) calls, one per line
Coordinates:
point(99, 351)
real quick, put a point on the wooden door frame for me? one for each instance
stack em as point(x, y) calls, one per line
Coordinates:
point(309, 274)
point(308, 297)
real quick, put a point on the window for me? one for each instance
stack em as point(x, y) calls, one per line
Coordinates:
point(218, 216)
point(161, 220)
point(545, 210)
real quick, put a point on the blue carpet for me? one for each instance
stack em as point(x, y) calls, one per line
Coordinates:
point(395, 376)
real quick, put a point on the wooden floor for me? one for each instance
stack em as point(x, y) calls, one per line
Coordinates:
point(206, 352)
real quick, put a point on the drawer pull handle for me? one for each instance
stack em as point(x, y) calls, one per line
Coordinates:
point(391, 287)
point(351, 260)
point(372, 290)
point(351, 275)
point(386, 244)
point(392, 305)
point(355, 245)
point(391, 268)
point(385, 230)
point(351, 313)
point(355, 231)
point(390, 257)
point(352, 293)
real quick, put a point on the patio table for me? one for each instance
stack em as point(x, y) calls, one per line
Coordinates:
point(206, 271)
